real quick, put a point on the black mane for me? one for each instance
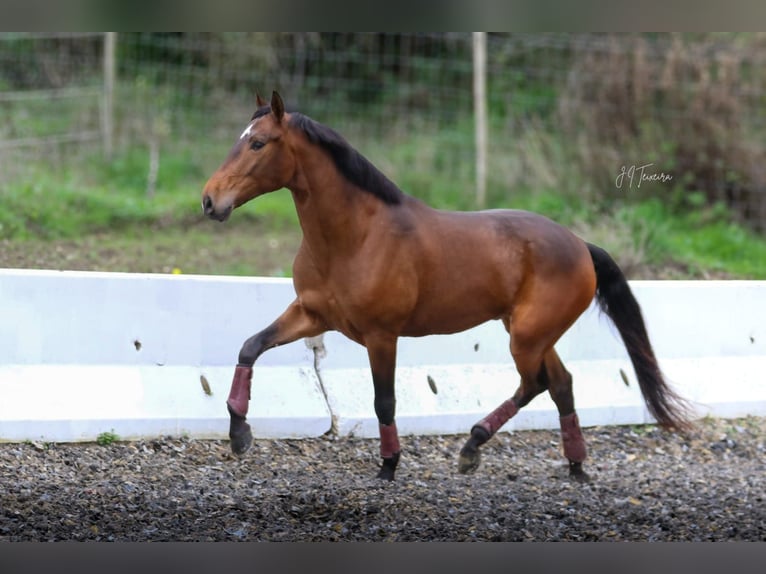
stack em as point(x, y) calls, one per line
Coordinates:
point(353, 165)
point(262, 111)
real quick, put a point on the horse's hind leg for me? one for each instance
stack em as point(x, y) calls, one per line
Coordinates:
point(560, 389)
point(534, 380)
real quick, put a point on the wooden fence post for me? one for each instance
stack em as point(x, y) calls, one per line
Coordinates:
point(480, 114)
point(110, 41)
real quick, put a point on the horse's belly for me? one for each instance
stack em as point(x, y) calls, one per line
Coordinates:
point(446, 319)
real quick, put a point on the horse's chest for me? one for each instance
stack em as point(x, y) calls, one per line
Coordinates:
point(362, 296)
point(337, 309)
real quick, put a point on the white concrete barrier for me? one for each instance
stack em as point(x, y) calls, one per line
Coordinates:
point(83, 353)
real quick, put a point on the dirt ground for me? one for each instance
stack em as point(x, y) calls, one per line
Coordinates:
point(646, 485)
point(245, 246)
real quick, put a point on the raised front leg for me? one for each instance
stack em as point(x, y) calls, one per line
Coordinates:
point(382, 354)
point(295, 323)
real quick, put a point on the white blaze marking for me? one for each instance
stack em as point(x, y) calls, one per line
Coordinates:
point(247, 130)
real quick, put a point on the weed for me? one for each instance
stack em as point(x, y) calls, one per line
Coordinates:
point(106, 438)
point(641, 430)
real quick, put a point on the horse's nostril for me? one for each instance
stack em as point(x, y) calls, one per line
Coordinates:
point(207, 205)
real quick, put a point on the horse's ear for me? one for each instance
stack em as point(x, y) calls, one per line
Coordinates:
point(259, 101)
point(277, 106)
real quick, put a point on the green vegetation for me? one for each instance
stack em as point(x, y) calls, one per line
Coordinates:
point(106, 438)
point(106, 210)
point(94, 196)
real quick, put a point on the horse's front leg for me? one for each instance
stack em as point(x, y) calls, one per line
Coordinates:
point(382, 353)
point(295, 323)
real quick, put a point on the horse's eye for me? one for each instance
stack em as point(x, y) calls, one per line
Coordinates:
point(256, 145)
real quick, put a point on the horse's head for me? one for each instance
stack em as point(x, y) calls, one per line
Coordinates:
point(259, 162)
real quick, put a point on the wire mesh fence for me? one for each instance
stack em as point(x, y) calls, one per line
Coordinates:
point(49, 88)
point(567, 112)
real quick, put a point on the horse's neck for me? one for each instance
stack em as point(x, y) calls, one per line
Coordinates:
point(334, 215)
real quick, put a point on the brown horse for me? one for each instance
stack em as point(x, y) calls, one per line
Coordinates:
point(377, 264)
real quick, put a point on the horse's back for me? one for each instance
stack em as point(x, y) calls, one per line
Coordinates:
point(507, 238)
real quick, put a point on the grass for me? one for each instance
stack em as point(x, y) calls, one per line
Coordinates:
point(52, 209)
point(93, 196)
point(721, 247)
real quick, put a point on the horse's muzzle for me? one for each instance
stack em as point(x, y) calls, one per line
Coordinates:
point(209, 209)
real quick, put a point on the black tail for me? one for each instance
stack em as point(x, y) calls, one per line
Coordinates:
point(616, 300)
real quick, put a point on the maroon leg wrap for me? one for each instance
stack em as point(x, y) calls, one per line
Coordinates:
point(571, 436)
point(389, 440)
point(239, 396)
point(497, 418)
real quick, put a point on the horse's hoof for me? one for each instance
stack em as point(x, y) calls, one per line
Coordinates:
point(388, 468)
point(241, 440)
point(469, 460)
point(577, 473)
point(386, 473)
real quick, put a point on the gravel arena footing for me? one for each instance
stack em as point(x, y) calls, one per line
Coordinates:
point(646, 485)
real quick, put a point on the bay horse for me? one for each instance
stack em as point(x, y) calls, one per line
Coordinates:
point(377, 264)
